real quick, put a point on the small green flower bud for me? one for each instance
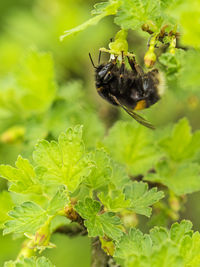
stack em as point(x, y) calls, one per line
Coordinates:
point(149, 58)
point(14, 134)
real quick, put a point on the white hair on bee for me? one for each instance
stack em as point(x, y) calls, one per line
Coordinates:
point(112, 56)
point(162, 83)
point(119, 57)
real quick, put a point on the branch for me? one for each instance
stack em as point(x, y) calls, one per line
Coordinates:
point(71, 230)
point(99, 257)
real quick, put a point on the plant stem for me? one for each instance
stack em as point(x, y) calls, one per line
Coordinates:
point(99, 257)
point(71, 230)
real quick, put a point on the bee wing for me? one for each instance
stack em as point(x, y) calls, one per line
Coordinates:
point(139, 118)
point(134, 115)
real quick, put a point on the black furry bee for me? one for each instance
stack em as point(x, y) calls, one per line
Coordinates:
point(130, 89)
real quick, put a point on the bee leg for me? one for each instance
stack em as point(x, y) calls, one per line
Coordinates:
point(99, 57)
point(135, 67)
point(106, 95)
point(108, 75)
point(121, 75)
point(105, 71)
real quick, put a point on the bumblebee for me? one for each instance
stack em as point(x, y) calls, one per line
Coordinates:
point(132, 89)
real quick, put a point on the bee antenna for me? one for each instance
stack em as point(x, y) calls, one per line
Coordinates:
point(92, 61)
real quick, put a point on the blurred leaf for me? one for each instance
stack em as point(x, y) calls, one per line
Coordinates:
point(172, 63)
point(36, 80)
point(190, 80)
point(71, 108)
point(6, 205)
point(30, 89)
point(190, 31)
point(100, 7)
point(181, 178)
point(182, 144)
point(132, 145)
point(98, 224)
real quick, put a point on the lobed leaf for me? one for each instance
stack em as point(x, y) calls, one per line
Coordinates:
point(23, 178)
point(141, 198)
point(159, 248)
point(27, 217)
point(64, 162)
point(114, 200)
point(101, 10)
point(181, 178)
point(30, 262)
point(101, 173)
point(58, 202)
point(98, 224)
point(182, 144)
point(132, 145)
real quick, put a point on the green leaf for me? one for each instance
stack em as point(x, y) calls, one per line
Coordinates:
point(172, 63)
point(182, 144)
point(141, 198)
point(98, 224)
point(160, 248)
point(58, 202)
point(119, 175)
point(102, 10)
point(133, 245)
point(178, 230)
point(64, 162)
point(30, 89)
point(101, 173)
point(36, 81)
point(189, 249)
point(190, 31)
point(73, 108)
point(6, 205)
point(30, 262)
point(132, 144)
point(181, 178)
point(177, 170)
point(27, 217)
point(189, 80)
point(134, 13)
point(159, 236)
point(99, 8)
point(23, 178)
point(114, 200)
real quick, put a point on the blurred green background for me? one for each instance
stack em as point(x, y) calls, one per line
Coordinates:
point(28, 30)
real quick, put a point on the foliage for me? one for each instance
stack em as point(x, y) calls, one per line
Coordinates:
point(100, 175)
point(177, 247)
